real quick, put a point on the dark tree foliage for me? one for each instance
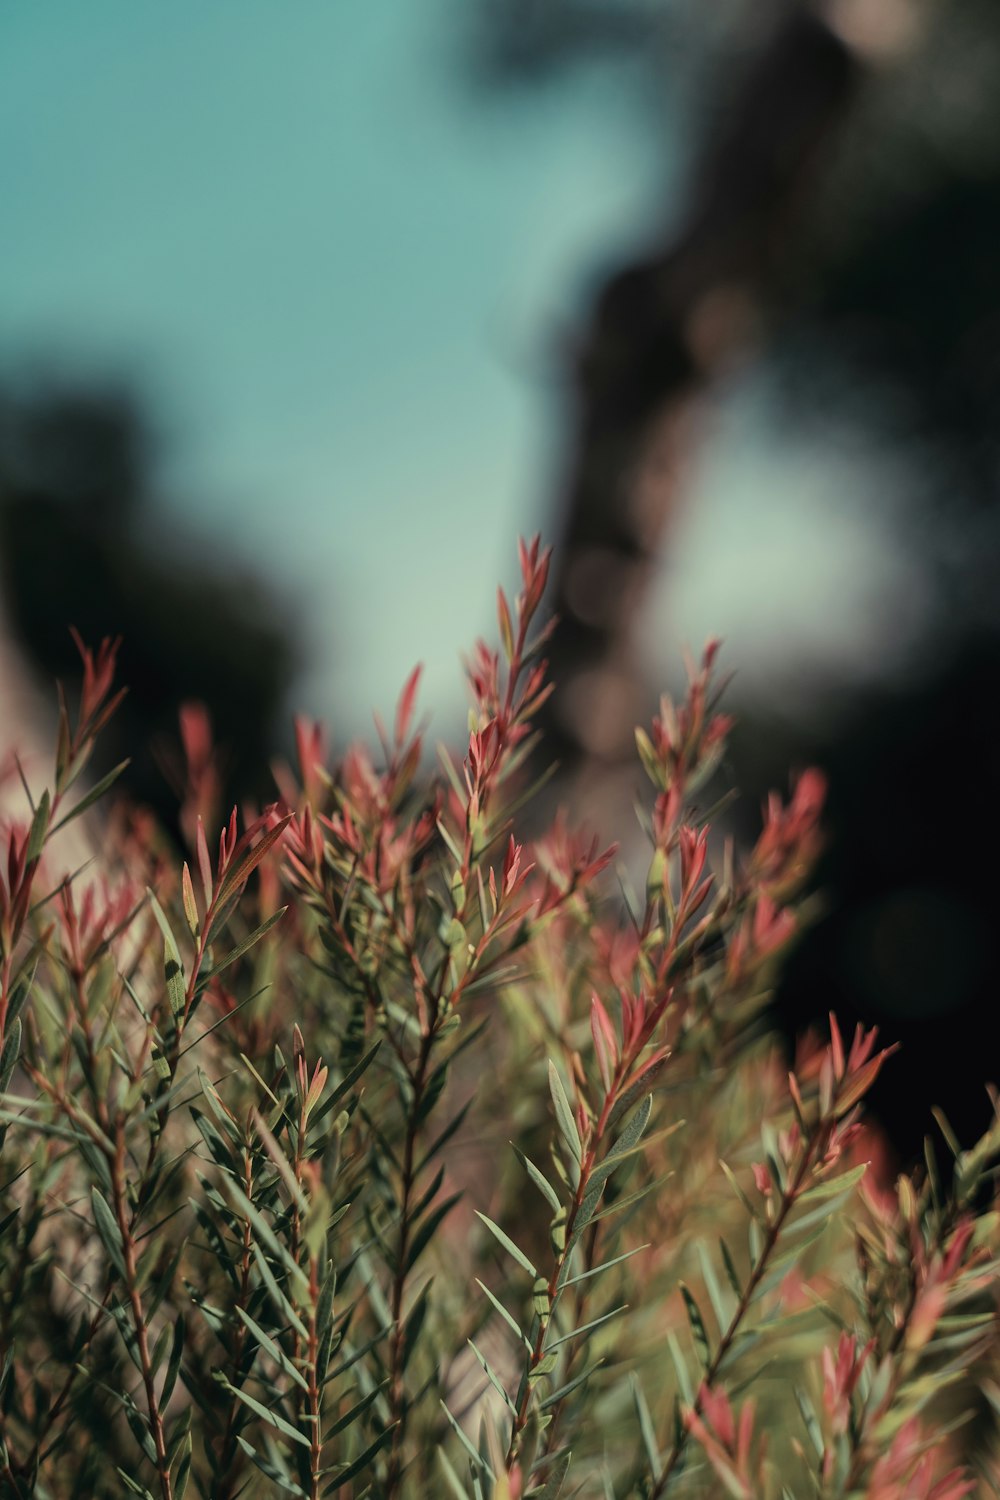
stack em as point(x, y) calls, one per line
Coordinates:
point(848, 213)
point(79, 545)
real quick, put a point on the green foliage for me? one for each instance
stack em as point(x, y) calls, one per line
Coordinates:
point(381, 1155)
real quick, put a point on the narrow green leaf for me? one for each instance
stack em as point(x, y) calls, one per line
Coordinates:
point(39, 828)
point(631, 1135)
point(278, 1297)
point(570, 1386)
point(348, 1081)
point(680, 1368)
point(352, 1357)
point(493, 1377)
point(43, 1127)
point(362, 1461)
point(508, 1244)
point(586, 1327)
point(357, 1410)
point(180, 1438)
point(259, 1080)
point(452, 1480)
point(226, 1019)
point(543, 1367)
point(217, 1147)
point(428, 1229)
point(755, 1243)
point(731, 1272)
point(646, 1428)
point(273, 1466)
point(824, 1213)
point(697, 1325)
point(454, 1124)
point(94, 795)
point(479, 1463)
point(20, 991)
point(811, 1421)
point(741, 1195)
point(118, 1314)
point(272, 1350)
point(829, 1187)
point(944, 1125)
point(428, 1195)
point(174, 1364)
point(324, 1306)
point(414, 1321)
point(140, 1431)
point(629, 1199)
point(268, 1237)
point(553, 1486)
point(107, 1227)
point(626, 1144)
point(449, 842)
point(722, 1304)
point(10, 1054)
point(604, 1266)
point(248, 942)
point(132, 1485)
point(508, 1317)
point(183, 1474)
point(267, 1414)
point(173, 969)
point(564, 1114)
point(541, 1182)
point(220, 1111)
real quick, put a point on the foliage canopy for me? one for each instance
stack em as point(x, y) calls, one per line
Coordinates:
point(376, 1153)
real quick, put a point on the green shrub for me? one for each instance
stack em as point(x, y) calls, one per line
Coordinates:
point(377, 1154)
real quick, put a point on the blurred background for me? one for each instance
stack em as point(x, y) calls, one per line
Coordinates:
point(304, 315)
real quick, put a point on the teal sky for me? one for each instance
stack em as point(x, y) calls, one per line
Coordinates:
point(341, 276)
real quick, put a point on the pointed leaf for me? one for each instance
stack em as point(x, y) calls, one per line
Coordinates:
point(242, 947)
point(541, 1182)
point(428, 1229)
point(646, 1429)
point(508, 1244)
point(39, 829)
point(508, 1317)
point(272, 1350)
point(493, 1378)
point(94, 795)
point(173, 970)
point(267, 1414)
point(570, 1386)
point(564, 1114)
point(107, 1227)
point(354, 1412)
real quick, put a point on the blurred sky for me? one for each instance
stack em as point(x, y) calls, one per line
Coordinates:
point(342, 277)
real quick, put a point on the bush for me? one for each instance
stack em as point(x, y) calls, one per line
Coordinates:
point(379, 1155)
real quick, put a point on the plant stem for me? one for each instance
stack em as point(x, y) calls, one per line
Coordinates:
point(589, 1261)
point(397, 1388)
point(138, 1315)
point(314, 1396)
point(230, 1460)
point(789, 1198)
point(552, 1287)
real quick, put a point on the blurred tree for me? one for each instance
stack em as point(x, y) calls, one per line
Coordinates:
point(85, 541)
point(840, 228)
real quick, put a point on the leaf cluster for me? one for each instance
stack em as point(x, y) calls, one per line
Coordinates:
point(371, 1152)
